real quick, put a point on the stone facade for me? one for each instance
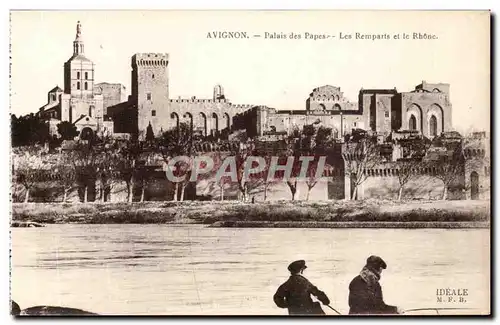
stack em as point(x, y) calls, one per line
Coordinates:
point(150, 92)
point(78, 102)
point(427, 109)
point(150, 99)
point(477, 167)
point(112, 94)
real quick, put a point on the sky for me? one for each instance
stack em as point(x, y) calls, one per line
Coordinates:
point(279, 73)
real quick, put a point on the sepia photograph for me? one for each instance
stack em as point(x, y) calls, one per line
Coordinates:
point(250, 163)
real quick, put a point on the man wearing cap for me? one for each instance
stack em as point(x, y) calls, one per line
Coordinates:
point(365, 292)
point(295, 293)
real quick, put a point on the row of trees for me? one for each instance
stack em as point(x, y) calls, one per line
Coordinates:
point(447, 165)
point(29, 130)
point(104, 162)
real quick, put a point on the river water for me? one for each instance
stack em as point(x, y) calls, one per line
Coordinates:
point(196, 270)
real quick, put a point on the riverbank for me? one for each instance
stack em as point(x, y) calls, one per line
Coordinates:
point(352, 224)
point(372, 213)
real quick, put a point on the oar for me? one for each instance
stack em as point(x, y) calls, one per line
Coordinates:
point(436, 309)
point(333, 309)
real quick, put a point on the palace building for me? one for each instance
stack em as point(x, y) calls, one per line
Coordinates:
point(104, 108)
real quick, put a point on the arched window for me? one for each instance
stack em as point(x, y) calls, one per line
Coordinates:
point(78, 75)
point(413, 122)
point(86, 75)
point(86, 86)
point(78, 85)
point(433, 126)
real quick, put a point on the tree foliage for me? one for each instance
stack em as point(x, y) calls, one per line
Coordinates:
point(67, 130)
point(28, 130)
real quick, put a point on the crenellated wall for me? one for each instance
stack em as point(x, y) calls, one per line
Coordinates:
point(207, 116)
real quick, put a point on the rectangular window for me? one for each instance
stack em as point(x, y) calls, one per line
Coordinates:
point(386, 113)
point(78, 75)
point(148, 96)
point(153, 113)
point(86, 75)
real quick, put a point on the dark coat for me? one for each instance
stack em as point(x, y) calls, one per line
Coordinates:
point(295, 294)
point(366, 300)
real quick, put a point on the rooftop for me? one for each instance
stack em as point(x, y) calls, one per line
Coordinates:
point(79, 57)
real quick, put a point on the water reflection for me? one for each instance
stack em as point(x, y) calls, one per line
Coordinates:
point(192, 269)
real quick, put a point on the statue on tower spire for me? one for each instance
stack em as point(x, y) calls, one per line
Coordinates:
point(78, 29)
point(78, 43)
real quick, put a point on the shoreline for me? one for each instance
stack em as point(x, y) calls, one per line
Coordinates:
point(354, 225)
point(281, 214)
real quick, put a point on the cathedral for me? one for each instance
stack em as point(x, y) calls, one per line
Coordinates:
point(105, 109)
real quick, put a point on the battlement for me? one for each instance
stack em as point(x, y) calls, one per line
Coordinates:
point(217, 146)
point(198, 100)
point(210, 101)
point(248, 106)
point(474, 153)
point(150, 59)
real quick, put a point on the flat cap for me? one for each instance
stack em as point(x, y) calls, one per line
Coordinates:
point(376, 261)
point(297, 266)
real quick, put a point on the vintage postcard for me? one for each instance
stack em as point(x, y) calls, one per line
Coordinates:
point(330, 163)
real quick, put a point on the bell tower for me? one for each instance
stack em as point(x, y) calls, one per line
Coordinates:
point(79, 70)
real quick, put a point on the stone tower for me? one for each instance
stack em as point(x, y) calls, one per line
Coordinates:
point(79, 104)
point(150, 92)
point(218, 92)
point(79, 70)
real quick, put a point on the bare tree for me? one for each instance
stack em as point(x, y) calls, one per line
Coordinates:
point(241, 153)
point(414, 151)
point(313, 142)
point(358, 157)
point(321, 141)
point(28, 169)
point(178, 142)
point(27, 176)
point(127, 159)
point(143, 174)
point(292, 185)
point(86, 163)
point(266, 180)
point(312, 176)
point(449, 167)
point(66, 172)
point(107, 173)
